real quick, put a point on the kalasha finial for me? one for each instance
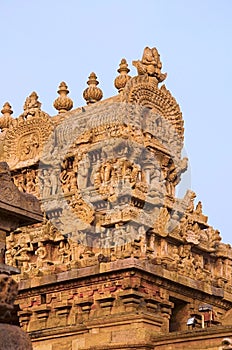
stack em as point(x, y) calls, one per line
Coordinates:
point(150, 64)
point(63, 103)
point(121, 80)
point(6, 119)
point(92, 94)
point(6, 110)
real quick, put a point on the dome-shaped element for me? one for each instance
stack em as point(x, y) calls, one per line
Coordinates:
point(121, 80)
point(63, 103)
point(92, 94)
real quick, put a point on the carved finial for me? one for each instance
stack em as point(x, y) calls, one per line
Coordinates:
point(150, 64)
point(63, 103)
point(6, 120)
point(6, 110)
point(92, 94)
point(31, 105)
point(121, 80)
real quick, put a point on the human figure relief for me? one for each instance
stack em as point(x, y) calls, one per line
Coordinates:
point(64, 252)
point(54, 177)
point(30, 182)
point(22, 256)
point(175, 257)
point(19, 181)
point(42, 254)
point(46, 184)
point(187, 259)
point(83, 171)
point(174, 175)
point(119, 239)
point(198, 267)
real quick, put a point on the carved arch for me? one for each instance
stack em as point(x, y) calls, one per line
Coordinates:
point(144, 91)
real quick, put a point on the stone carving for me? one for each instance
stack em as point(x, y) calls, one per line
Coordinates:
point(109, 175)
point(24, 140)
point(22, 256)
point(189, 201)
point(214, 237)
point(42, 255)
point(191, 232)
point(12, 215)
point(111, 207)
point(31, 106)
point(63, 103)
point(141, 91)
point(31, 182)
point(160, 226)
point(114, 172)
point(19, 181)
point(150, 64)
point(174, 175)
point(13, 194)
point(45, 183)
point(83, 210)
point(187, 258)
point(122, 79)
point(6, 120)
point(83, 172)
point(28, 146)
point(175, 258)
point(92, 94)
point(8, 293)
point(64, 252)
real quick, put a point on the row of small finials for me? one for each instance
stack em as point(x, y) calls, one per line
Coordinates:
point(91, 94)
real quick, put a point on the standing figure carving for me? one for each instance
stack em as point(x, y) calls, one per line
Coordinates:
point(83, 171)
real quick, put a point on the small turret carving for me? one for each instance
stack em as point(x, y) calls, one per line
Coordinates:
point(92, 94)
point(123, 77)
point(63, 103)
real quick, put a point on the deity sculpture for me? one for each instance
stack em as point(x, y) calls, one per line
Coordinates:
point(150, 64)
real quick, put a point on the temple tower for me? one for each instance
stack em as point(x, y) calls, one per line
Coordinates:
point(119, 260)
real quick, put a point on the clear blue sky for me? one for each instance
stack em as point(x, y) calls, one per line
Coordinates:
point(45, 42)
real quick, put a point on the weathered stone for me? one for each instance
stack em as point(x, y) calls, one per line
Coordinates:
point(117, 261)
point(12, 337)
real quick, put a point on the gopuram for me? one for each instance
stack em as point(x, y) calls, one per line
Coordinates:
point(119, 261)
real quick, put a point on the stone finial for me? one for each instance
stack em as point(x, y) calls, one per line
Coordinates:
point(150, 64)
point(123, 77)
point(31, 105)
point(6, 119)
point(92, 94)
point(63, 103)
point(6, 110)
